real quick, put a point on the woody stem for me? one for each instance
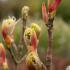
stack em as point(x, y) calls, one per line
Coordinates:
point(49, 49)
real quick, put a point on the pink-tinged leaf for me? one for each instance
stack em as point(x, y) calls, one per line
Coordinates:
point(4, 32)
point(44, 8)
point(2, 55)
point(44, 12)
point(52, 7)
point(34, 41)
point(58, 2)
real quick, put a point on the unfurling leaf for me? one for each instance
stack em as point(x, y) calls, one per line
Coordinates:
point(44, 12)
point(53, 6)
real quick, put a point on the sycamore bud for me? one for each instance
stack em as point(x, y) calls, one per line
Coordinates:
point(30, 39)
point(24, 12)
point(52, 7)
point(7, 30)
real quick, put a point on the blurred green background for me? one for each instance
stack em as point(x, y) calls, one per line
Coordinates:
point(61, 32)
point(13, 7)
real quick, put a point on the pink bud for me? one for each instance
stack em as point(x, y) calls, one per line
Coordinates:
point(44, 12)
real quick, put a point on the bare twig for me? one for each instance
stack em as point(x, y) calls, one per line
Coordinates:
point(24, 16)
point(15, 58)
